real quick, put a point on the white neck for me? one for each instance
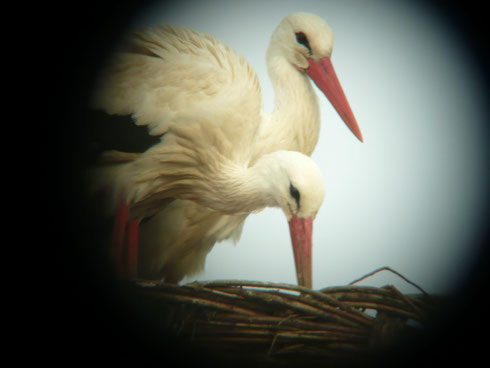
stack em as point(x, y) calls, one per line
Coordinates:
point(237, 189)
point(294, 124)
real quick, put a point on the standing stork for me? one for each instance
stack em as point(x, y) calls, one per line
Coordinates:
point(206, 100)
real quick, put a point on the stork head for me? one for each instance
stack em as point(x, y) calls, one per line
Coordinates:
point(305, 41)
point(297, 188)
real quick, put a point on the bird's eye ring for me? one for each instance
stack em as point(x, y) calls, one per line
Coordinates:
point(303, 40)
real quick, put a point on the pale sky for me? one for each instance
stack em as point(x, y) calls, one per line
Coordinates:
point(411, 196)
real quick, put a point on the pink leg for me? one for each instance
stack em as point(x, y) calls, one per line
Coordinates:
point(133, 238)
point(117, 244)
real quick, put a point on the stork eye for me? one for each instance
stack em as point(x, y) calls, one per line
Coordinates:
point(302, 40)
point(294, 193)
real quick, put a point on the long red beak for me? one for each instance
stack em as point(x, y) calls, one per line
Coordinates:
point(324, 76)
point(301, 231)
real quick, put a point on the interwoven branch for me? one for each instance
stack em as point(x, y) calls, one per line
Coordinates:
point(262, 320)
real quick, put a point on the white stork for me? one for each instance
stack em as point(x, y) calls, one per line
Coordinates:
point(221, 157)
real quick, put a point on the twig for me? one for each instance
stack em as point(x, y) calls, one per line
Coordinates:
point(272, 344)
point(206, 303)
point(393, 271)
point(318, 304)
point(406, 300)
point(275, 321)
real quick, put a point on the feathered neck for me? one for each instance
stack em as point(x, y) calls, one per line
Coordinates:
point(294, 124)
point(236, 189)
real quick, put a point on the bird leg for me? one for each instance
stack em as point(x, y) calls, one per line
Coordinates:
point(125, 253)
point(132, 254)
point(117, 243)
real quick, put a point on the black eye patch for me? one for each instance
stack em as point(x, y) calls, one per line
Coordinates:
point(294, 193)
point(302, 40)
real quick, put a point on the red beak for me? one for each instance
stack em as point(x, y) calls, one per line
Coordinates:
point(301, 232)
point(323, 74)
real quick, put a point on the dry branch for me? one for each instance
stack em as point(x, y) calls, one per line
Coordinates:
point(274, 321)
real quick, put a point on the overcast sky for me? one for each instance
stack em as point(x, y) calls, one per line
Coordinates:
point(411, 196)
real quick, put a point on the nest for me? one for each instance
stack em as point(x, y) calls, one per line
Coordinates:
point(249, 321)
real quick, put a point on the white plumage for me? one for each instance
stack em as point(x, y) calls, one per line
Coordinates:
point(221, 157)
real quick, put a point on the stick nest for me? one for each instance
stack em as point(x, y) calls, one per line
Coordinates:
point(249, 321)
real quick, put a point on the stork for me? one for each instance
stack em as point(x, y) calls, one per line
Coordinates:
point(196, 183)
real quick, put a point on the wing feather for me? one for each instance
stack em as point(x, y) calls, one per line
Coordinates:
point(160, 72)
point(203, 95)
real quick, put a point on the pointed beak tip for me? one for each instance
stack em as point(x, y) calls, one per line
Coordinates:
point(323, 75)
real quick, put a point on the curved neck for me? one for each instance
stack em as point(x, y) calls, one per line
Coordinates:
point(294, 124)
point(236, 189)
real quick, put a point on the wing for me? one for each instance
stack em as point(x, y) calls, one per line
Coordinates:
point(206, 98)
point(159, 72)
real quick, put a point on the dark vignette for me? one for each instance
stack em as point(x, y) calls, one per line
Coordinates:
point(93, 320)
